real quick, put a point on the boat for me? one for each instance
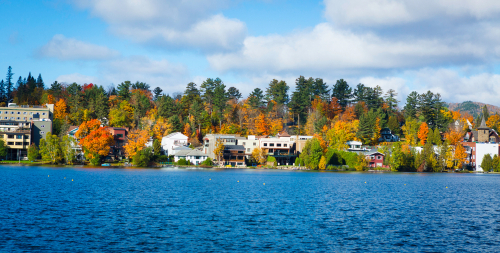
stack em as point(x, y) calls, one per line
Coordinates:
point(105, 164)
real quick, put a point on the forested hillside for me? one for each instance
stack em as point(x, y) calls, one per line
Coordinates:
point(474, 108)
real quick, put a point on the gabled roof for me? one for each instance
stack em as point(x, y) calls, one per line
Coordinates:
point(190, 152)
point(174, 134)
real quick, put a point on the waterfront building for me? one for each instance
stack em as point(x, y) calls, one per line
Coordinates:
point(210, 140)
point(479, 143)
point(387, 136)
point(195, 156)
point(374, 158)
point(22, 125)
point(172, 142)
point(250, 143)
point(234, 155)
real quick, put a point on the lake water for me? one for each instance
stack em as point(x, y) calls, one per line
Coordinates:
point(187, 210)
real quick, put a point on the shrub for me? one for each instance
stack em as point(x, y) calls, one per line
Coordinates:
point(207, 162)
point(183, 161)
point(143, 157)
point(273, 160)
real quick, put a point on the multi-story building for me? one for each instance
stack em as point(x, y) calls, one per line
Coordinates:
point(173, 142)
point(22, 125)
point(479, 143)
point(250, 143)
point(234, 155)
point(210, 140)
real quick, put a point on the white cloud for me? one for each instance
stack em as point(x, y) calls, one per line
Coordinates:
point(326, 49)
point(177, 24)
point(64, 49)
point(452, 86)
point(157, 73)
point(76, 78)
point(396, 12)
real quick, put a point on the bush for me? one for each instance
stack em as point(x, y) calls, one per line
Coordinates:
point(273, 160)
point(162, 158)
point(330, 167)
point(207, 162)
point(298, 162)
point(143, 157)
point(183, 161)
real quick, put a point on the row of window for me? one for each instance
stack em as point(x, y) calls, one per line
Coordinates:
point(18, 143)
point(255, 143)
point(18, 136)
point(31, 113)
point(18, 118)
point(277, 144)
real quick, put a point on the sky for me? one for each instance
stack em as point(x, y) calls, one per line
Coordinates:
point(451, 47)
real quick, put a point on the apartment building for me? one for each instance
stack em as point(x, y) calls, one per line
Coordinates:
point(21, 125)
point(210, 140)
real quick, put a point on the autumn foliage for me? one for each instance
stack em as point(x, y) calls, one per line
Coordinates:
point(423, 132)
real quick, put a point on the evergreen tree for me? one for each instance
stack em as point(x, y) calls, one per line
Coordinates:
point(360, 93)
point(140, 86)
point(234, 93)
point(487, 163)
point(436, 139)
point(342, 92)
point(301, 98)
point(191, 91)
point(374, 98)
point(486, 114)
point(2, 90)
point(393, 124)
point(8, 84)
point(366, 127)
point(256, 98)
point(277, 91)
point(166, 106)
point(320, 89)
point(157, 92)
point(39, 82)
point(124, 90)
point(391, 101)
point(411, 107)
point(220, 98)
point(56, 89)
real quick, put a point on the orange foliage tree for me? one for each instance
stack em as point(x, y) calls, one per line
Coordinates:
point(453, 136)
point(423, 132)
point(493, 122)
point(94, 140)
point(262, 125)
point(459, 156)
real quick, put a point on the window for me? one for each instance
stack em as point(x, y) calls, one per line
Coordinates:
point(31, 113)
point(10, 136)
point(6, 117)
point(24, 113)
point(119, 135)
point(285, 145)
point(6, 112)
point(18, 112)
point(42, 126)
point(42, 132)
point(278, 145)
point(265, 144)
point(243, 144)
point(271, 144)
point(24, 118)
point(11, 112)
point(379, 157)
point(12, 118)
point(255, 144)
point(26, 143)
point(18, 118)
point(31, 118)
point(43, 114)
point(372, 157)
point(10, 143)
point(26, 136)
point(19, 136)
point(248, 149)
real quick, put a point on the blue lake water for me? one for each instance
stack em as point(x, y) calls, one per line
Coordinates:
point(185, 210)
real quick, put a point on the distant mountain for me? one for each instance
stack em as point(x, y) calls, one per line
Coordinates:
point(474, 108)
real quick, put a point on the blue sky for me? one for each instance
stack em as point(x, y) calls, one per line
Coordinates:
point(449, 47)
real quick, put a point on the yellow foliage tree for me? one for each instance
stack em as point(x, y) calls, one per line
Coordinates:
point(423, 132)
point(262, 125)
point(219, 151)
point(459, 156)
point(260, 155)
point(410, 131)
point(322, 163)
point(453, 136)
point(376, 132)
point(60, 110)
point(136, 140)
point(342, 132)
point(161, 128)
point(493, 122)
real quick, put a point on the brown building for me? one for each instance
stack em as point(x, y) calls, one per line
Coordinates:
point(234, 155)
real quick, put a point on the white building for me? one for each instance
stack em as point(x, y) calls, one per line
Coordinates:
point(249, 143)
point(172, 141)
point(482, 149)
point(195, 156)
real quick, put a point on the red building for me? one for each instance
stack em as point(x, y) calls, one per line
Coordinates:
point(120, 136)
point(375, 159)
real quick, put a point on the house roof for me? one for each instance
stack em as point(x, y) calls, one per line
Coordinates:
point(174, 134)
point(182, 152)
point(234, 147)
point(190, 152)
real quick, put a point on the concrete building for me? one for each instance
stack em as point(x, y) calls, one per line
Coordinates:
point(210, 140)
point(300, 142)
point(250, 143)
point(234, 155)
point(22, 125)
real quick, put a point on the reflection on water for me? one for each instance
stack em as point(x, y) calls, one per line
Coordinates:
point(245, 210)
